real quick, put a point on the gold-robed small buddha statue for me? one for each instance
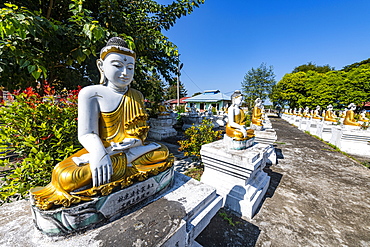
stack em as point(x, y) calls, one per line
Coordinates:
point(235, 127)
point(112, 128)
point(362, 117)
point(316, 113)
point(329, 115)
point(257, 113)
point(350, 116)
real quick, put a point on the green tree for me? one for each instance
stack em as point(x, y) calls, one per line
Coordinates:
point(59, 41)
point(355, 65)
point(171, 91)
point(313, 67)
point(258, 83)
point(290, 89)
point(312, 88)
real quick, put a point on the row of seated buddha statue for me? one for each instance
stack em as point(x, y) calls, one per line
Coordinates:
point(329, 115)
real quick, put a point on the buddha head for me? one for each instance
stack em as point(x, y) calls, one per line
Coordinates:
point(330, 107)
point(318, 107)
point(258, 102)
point(116, 64)
point(352, 107)
point(237, 98)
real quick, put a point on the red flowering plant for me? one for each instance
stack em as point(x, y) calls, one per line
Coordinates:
point(35, 134)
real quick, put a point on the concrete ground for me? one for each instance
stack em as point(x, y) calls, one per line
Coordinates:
point(317, 197)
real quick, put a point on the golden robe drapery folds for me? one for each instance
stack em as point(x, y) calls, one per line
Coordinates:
point(257, 116)
point(329, 116)
point(350, 119)
point(71, 183)
point(236, 134)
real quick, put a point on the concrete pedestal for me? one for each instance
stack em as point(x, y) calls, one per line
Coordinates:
point(256, 127)
point(237, 175)
point(355, 142)
point(161, 127)
point(190, 120)
point(174, 218)
point(268, 137)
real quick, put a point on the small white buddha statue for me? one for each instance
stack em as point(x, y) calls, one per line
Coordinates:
point(316, 113)
point(363, 117)
point(329, 115)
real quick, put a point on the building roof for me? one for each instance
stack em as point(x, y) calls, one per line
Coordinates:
point(174, 101)
point(209, 96)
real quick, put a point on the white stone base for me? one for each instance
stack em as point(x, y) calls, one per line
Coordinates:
point(267, 136)
point(355, 142)
point(230, 143)
point(237, 175)
point(160, 134)
point(256, 127)
point(161, 127)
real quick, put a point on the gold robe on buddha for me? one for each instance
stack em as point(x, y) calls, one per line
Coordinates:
point(329, 116)
point(350, 119)
point(363, 119)
point(71, 183)
point(257, 116)
point(236, 134)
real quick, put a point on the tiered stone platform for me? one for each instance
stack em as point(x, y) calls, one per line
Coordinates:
point(237, 175)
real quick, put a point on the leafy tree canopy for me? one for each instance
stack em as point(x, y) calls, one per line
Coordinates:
point(338, 88)
point(355, 65)
point(312, 67)
point(258, 83)
point(59, 41)
point(171, 91)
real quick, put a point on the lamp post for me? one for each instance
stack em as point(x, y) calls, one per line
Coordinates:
point(179, 67)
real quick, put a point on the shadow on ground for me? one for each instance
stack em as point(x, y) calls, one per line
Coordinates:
point(226, 230)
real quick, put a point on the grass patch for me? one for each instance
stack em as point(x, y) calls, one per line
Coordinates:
point(195, 172)
point(280, 143)
point(228, 218)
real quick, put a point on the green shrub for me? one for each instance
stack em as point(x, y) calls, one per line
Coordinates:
point(180, 109)
point(196, 136)
point(41, 132)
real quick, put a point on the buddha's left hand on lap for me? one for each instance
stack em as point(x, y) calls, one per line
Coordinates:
point(127, 143)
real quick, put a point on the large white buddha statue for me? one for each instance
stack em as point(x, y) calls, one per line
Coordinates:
point(112, 128)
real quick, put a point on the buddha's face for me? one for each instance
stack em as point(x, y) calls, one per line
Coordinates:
point(238, 100)
point(118, 69)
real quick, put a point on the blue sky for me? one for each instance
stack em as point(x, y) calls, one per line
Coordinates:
point(222, 40)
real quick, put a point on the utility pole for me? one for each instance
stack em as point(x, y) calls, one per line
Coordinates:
point(179, 67)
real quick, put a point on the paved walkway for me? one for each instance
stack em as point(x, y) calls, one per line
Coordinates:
point(317, 197)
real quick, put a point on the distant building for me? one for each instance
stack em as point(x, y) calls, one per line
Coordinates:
point(209, 97)
point(366, 106)
point(173, 102)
